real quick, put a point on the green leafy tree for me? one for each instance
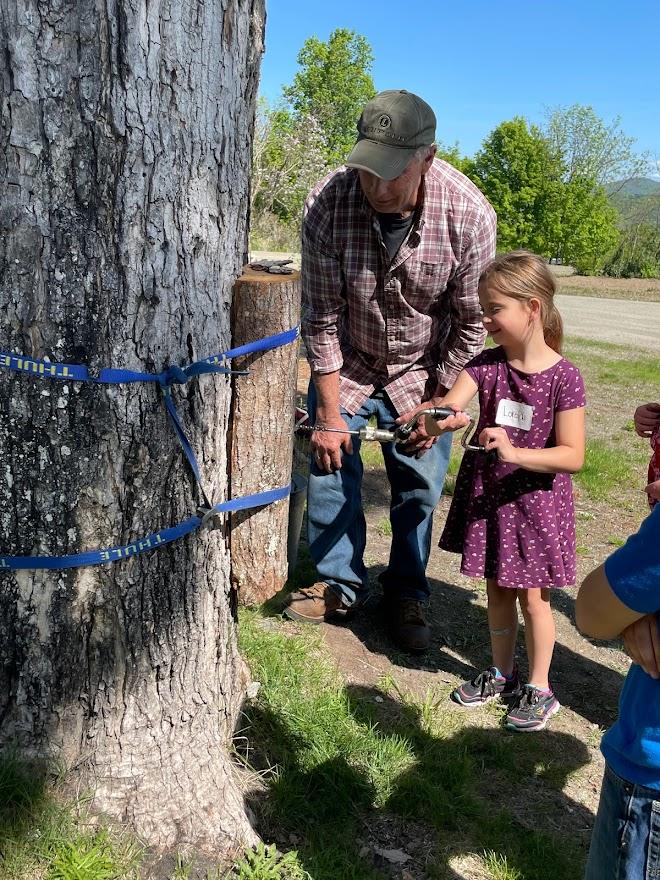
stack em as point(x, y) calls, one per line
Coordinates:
point(517, 171)
point(590, 149)
point(587, 228)
point(288, 158)
point(592, 154)
point(637, 254)
point(548, 197)
point(452, 154)
point(332, 86)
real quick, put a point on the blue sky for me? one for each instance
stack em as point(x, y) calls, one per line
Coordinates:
point(479, 62)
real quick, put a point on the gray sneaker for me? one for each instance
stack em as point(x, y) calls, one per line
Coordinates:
point(532, 710)
point(488, 685)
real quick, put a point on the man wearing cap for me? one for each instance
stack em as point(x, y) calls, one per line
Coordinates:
point(392, 248)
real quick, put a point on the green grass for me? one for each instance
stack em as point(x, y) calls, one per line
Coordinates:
point(607, 471)
point(615, 541)
point(617, 380)
point(384, 527)
point(44, 837)
point(371, 454)
point(609, 365)
point(498, 867)
point(452, 468)
point(334, 756)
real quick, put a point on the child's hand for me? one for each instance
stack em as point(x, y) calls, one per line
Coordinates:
point(642, 644)
point(497, 438)
point(653, 490)
point(435, 428)
point(647, 419)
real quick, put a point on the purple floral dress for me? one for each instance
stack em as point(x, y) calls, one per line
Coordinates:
point(510, 524)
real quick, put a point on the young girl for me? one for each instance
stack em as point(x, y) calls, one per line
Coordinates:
point(512, 513)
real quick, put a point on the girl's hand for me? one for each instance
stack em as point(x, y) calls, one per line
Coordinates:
point(436, 427)
point(497, 438)
point(647, 419)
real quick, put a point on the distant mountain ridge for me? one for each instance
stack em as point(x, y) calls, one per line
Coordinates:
point(636, 187)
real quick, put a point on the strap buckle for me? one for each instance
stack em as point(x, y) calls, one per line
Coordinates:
point(208, 517)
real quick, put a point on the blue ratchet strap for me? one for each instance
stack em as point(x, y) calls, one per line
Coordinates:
point(143, 545)
point(171, 376)
point(265, 344)
point(111, 376)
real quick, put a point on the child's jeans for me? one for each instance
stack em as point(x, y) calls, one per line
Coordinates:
point(625, 844)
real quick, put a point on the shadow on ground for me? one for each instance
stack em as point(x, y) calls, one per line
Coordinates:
point(472, 791)
point(589, 688)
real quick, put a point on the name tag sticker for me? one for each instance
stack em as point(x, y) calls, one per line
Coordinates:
point(514, 414)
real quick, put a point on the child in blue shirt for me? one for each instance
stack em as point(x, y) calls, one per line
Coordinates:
point(624, 594)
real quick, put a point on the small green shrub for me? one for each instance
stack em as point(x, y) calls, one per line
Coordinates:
point(266, 863)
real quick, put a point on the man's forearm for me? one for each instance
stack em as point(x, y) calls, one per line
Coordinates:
point(327, 396)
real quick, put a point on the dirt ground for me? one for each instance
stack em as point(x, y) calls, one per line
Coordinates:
point(587, 677)
point(643, 289)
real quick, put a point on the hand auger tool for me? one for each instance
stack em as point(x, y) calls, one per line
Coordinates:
point(400, 435)
point(381, 435)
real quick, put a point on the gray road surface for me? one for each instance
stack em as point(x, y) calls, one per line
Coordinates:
point(610, 320)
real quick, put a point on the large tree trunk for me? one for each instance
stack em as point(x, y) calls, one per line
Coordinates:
point(126, 129)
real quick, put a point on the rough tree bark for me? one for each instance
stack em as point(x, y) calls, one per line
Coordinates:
point(124, 164)
point(262, 406)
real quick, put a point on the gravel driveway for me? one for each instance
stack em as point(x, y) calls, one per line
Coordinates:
point(611, 320)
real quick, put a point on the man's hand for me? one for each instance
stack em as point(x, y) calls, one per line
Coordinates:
point(497, 438)
point(419, 440)
point(647, 419)
point(326, 446)
point(642, 643)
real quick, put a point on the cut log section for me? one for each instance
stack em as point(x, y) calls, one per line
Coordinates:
point(262, 424)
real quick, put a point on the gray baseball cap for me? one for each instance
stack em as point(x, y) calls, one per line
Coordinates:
point(392, 127)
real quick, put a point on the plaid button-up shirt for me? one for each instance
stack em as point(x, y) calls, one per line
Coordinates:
point(407, 325)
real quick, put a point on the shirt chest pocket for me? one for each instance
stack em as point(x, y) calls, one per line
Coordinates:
point(424, 284)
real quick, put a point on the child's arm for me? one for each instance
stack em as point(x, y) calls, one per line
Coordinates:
point(598, 612)
point(567, 456)
point(457, 398)
point(625, 588)
point(653, 490)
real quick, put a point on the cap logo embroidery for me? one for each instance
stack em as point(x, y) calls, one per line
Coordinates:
point(384, 121)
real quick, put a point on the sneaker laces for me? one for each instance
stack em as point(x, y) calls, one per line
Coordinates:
point(485, 681)
point(530, 696)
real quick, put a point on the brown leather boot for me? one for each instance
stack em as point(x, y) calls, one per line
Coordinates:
point(408, 625)
point(315, 604)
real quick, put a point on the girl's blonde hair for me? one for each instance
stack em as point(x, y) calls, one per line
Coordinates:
point(524, 276)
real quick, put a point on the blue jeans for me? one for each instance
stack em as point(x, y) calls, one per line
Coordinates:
point(625, 844)
point(336, 528)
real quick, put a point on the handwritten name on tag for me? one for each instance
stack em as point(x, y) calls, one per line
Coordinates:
point(514, 414)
